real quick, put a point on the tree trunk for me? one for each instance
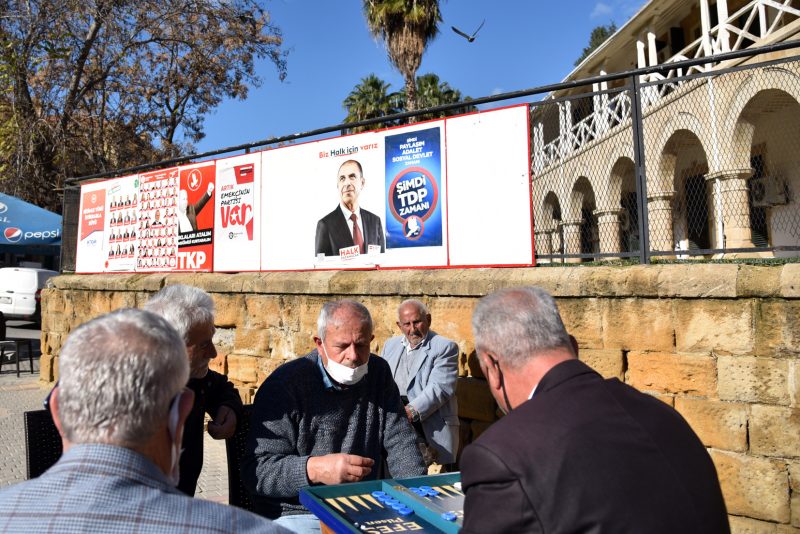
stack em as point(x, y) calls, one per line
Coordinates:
point(411, 95)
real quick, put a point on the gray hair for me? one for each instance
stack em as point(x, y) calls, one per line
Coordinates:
point(330, 309)
point(118, 374)
point(185, 307)
point(421, 308)
point(518, 323)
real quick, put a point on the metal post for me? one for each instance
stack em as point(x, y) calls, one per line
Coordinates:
point(641, 176)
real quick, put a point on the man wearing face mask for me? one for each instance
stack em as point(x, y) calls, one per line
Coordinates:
point(191, 312)
point(327, 418)
point(576, 452)
point(120, 408)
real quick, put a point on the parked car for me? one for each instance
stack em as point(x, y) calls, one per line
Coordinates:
point(20, 292)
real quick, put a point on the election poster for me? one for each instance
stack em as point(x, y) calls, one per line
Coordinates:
point(91, 229)
point(490, 217)
point(237, 229)
point(413, 203)
point(158, 221)
point(416, 196)
point(122, 224)
point(193, 215)
point(309, 194)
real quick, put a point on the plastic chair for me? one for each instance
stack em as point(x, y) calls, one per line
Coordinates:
point(42, 442)
point(235, 449)
point(14, 346)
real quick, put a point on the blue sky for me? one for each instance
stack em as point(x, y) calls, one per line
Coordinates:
point(524, 44)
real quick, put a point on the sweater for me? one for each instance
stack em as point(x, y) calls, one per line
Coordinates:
point(295, 416)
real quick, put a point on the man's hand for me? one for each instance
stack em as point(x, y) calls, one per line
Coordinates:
point(409, 414)
point(338, 468)
point(224, 424)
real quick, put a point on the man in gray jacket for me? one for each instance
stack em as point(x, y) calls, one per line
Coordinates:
point(425, 367)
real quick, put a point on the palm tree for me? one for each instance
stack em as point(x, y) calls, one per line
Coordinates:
point(430, 92)
point(406, 26)
point(370, 99)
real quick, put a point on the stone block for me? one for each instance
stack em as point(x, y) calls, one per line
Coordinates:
point(777, 328)
point(722, 425)
point(722, 326)
point(786, 529)
point(252, 342)
point(47, 368)
point(688, 374)
point(452, 317)
point(243, 368)
point(750, 379)
point(584, 320)
point(263, 311)
point(52, 301)
point(474, 400)
point(775, 431)
point(746, 525)
point(752, 486)
point(790, 280)
point(637, 324)
point(608, 362)
point(228, 310)
point(758, 281)
point(122, 299)
point(795, 505)
point(218, 363)
point(697, 281)
point(794, 475)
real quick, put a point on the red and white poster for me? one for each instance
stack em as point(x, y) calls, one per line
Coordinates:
point(194, 217)
point(91, 229)
point(122, 223)
point(237, 227)
point(158, 228)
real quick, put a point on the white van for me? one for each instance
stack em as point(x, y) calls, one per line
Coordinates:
point(20, 289)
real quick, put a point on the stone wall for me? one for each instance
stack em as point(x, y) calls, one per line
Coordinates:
point(720, 343)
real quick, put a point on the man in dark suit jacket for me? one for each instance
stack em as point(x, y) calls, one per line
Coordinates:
point(578, 453)
point(348, 224)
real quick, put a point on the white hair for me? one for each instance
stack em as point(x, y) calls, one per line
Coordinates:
point(118, 374)
point(421, 308)
point(329, 309)
point(185, 307)
point(518, 323)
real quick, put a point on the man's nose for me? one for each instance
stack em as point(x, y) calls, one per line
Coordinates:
point(212, 352)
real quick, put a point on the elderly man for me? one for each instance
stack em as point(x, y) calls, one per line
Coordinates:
point(576, 453)
point(348, 224)
point(425, 367)
point(327, 418)
point(120, 408)
point(191, 312)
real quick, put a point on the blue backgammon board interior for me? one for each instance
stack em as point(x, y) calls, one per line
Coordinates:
point(432, 503)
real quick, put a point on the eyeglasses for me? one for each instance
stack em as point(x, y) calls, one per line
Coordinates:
point(46, 402)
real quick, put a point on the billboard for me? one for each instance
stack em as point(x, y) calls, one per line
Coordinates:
point(237, 228)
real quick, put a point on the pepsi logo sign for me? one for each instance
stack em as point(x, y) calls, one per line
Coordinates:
point(12, 234)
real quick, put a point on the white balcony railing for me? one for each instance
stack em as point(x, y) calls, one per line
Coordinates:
point(755, 21)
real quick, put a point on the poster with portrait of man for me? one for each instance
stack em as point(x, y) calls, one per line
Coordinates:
point(157, 249)
point(193, 210)
point(322, 204)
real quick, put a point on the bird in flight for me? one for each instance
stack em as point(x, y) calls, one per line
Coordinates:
point(469, 38)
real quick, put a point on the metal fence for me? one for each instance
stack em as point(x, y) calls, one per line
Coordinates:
point(690, 159)
point(697, 160)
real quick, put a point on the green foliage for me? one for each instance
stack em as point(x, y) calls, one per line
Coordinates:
point(598, 36)
point(372, 99)
point(96, 85)
point(406, 27)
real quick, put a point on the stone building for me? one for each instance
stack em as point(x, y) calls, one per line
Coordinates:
point(721, 140)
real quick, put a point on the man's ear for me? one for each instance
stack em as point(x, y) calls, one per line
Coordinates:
point(490, 370)
point(55, 414)
point(574, 343)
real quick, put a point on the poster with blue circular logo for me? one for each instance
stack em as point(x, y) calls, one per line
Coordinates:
point(413, 203)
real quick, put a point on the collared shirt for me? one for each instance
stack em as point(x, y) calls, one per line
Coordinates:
point(326, 380)
point(346, 212)
point(403, 376)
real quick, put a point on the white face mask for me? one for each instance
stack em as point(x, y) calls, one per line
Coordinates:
point(347, 376)
point(175, 466)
